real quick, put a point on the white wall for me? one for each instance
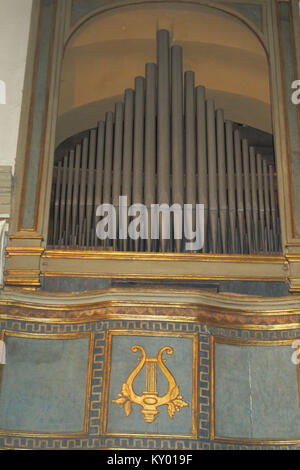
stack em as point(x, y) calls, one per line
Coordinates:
point(14, 32)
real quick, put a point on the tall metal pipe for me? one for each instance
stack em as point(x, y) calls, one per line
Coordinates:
point(202, 158)
point(83, 190)
point(57, 204)
point(231, 184)
point(163, 124)
point(177, 133)
point(75, 201)
point(99, 171)
point(62, 218)
point(117, 159)
point(128, 149)
point(150, 142)
point(239, 187)
point(247, 193)
point(69, 197)
point(222, 177)
point(108, 157)
point(90, 187)
point(254, 197)
point(190, 147)
point(273, 208)
point(261, 201)
point(138, 146)
point(212, 173)
point(267, 203)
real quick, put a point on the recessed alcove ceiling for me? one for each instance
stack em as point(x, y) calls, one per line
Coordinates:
point(104, 56)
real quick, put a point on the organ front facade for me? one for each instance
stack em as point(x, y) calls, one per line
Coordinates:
point(176, 345)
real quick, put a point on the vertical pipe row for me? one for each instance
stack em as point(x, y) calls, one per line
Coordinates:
point(167, 144)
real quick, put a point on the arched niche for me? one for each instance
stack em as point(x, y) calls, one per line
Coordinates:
point(109, 49)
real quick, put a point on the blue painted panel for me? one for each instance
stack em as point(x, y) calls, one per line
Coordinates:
point(44, 385)
point(232, 391)
point(256, 392)
point(275, 403)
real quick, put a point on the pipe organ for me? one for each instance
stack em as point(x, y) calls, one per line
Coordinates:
point(166, 143)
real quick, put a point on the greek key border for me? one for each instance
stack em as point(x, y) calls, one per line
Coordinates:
point(95, 441)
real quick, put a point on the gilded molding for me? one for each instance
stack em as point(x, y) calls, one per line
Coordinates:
point(24, 251)
point(174, 304)
point(127, 255)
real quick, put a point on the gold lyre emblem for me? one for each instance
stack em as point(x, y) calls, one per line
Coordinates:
point(150, 400)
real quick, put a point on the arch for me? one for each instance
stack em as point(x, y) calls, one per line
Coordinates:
point(223, 8)
point(80, 112)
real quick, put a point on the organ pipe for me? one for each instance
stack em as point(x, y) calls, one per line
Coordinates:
point(150, 142)
point(166, 143)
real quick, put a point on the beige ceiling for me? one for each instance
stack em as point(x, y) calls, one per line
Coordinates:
point(102, 59)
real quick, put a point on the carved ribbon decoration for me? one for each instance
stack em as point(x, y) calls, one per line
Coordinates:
point(149, 400)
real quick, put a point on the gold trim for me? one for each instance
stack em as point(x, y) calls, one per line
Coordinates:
point(178, 319)
point(61, 336)
point(163, 276)
point(12, 272)
point(150, 276)
point(22, 281)
point(127, 255)
point(24, 250)
point(241, 342)
point(293, 257)
point(200, 306)
point(26, 237)
point(108, 351)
